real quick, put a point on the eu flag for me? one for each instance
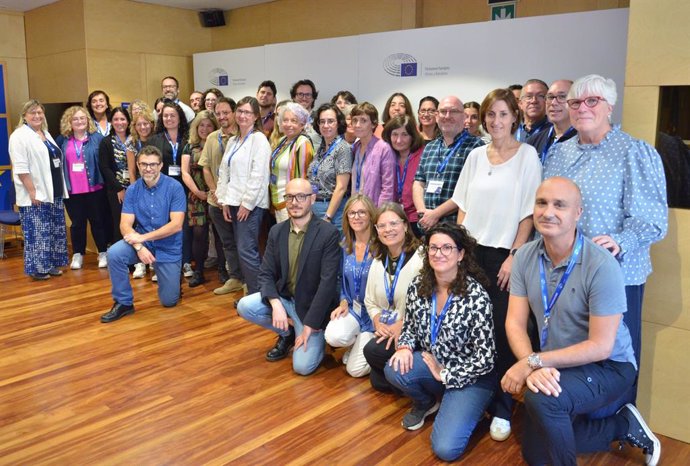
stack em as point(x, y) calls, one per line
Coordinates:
point(408, 69)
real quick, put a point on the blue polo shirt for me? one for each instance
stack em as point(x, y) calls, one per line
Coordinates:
point(151, 208)
point(595, 287)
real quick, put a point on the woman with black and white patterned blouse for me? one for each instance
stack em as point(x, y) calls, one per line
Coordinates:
point(445, 354)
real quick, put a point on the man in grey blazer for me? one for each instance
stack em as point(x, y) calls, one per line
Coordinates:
point(298, 281)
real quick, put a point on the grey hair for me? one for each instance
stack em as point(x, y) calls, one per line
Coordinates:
point(297, 110)
point(595, 85)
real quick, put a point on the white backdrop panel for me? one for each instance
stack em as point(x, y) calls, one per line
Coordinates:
point(243, 70)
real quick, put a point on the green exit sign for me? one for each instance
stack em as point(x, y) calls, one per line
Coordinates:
point(502, 11)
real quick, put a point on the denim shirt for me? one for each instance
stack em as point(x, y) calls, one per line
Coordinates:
point(90, 148)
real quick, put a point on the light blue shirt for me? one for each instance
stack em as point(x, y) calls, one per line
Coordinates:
point(624, 194)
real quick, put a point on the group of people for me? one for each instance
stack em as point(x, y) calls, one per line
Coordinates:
point(408, 240)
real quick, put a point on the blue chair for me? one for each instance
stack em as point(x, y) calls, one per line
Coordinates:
point(8, 218)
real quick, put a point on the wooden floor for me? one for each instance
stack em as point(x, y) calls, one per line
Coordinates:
point(189, 385)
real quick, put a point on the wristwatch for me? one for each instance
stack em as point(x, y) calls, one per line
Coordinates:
point(513, 251)
point(137, 247)
point(444, 376)
point(534, 361)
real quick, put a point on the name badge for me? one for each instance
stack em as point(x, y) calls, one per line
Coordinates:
point(434, 187)
point(357, 307)
point(174, 170)
point(56, 163)
point(388, 316)
point(125, 175)
point(315, 188)
point(78, 167)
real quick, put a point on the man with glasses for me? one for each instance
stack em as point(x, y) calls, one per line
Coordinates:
point(304, 93)
point(151, 224)
point(298, 282)
point(441, 164)
point(170, 88)
point(533, 107)
point(585, 359)
point(559, 117)
point(210, 159)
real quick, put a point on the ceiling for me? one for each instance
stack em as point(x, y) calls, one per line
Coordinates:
point(198, 5)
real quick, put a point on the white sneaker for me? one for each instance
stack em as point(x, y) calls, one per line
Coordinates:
point(102, 260)
point(77, 261)
point(499, 429)
point(154, 278)
point(187, 270)
point(139, 270)
point(346, 357)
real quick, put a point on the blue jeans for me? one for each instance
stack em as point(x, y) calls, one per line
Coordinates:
point(321, 207)
point(253, 309)
point(247, 238)
point(121, 255)
point(460, 411)
point(558, 428)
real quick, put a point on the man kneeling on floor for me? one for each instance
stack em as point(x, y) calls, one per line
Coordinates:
point(575, 290)
point(298, 280)
point(151, 226)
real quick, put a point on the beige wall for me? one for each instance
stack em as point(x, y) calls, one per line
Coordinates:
point(294, 20)
point(658, 54)
point(13, 53)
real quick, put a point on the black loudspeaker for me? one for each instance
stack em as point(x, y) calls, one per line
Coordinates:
point(212, 18)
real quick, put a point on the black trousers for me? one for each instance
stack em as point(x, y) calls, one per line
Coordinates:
point(87, 207)
point(377, 356)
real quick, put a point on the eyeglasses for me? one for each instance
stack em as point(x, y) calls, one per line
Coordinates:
point(530, 97)
point(560, 98)
point(392, 224)
point(143, 124)
point(327, 122)
point(241, 112)
point(428, 111)
point(357, 213)
point(148, 166)
point(301, 197)
point(303, 94)
point(449, 112)
point(446, 249)
point(590, 102)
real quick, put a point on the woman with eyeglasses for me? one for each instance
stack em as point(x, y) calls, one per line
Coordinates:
point(193, 177)
point(350, 326)
point(329, 172)
point(400, 133)
point(397, 261)
point(373, 170)
point(428, 108)
point(445, 354)
point(623, 189)
point(241, 190)
point(495, 198)
point(291, 157)
point(116, 166)
point(87, 203)
point(40, 186)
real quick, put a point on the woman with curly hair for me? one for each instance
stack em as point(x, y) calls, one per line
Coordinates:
point(445, 354)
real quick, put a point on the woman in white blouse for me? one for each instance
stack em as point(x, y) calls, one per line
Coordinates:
point(495, 196)
point(243, 176)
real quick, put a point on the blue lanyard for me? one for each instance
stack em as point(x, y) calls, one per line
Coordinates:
point(267, 117)
point(220, 142)
point(174, 147)
point(139, 146)
point(122, 145)
point(390, 289)
point(437, 320)
point(401, 180)
point(53, 149)
point(78, 150)
point(359, 272)
point(549, 304)
point(360, 164)
point(98, 127)
point(547, 146)
point(274, 155)
point(237, 147)
point(318, 163)
point(451, 151)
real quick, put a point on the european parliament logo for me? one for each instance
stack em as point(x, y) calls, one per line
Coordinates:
point(400, 64)
point(219, 77)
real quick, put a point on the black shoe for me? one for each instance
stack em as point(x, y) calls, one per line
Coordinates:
point(39, 276)
point(197, 279)
point(223, 275)
point(414, 419)
point(117, 312)
point(282, 347)
point(640, 435)
point(54, 272)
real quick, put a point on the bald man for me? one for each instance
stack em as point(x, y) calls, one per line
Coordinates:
point(585, 361)
point(441, 164)
point(298, 280)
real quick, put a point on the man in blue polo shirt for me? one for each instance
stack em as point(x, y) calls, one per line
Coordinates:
point(151, 226)
point(585, 361)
